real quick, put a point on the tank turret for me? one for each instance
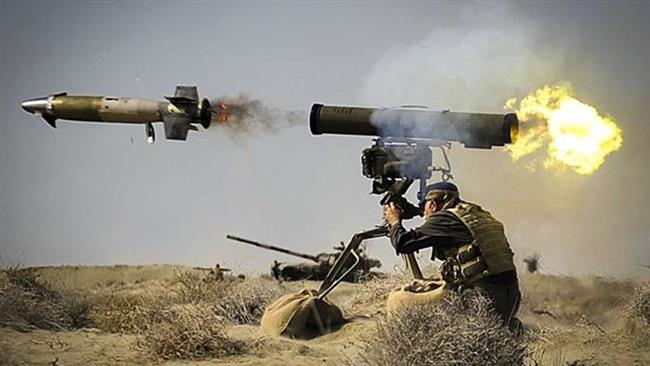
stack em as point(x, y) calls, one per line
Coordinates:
point(317, 270)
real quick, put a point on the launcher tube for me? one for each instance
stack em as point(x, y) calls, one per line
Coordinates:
point(474, 130)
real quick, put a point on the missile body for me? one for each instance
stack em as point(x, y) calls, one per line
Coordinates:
point(474, 130)
point(95, 109)
point(179, 113)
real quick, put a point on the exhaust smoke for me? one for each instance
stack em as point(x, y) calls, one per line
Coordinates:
point(243, 116)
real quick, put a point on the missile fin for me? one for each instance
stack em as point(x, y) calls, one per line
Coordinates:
point(180, 101)
point(176, 126)
point(189, 92)
point(184, 95)
point(50, 120)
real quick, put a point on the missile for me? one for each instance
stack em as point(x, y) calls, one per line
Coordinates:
point(179, 113)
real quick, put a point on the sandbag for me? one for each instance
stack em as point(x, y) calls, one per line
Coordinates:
point(417, 292)
point(301, 315)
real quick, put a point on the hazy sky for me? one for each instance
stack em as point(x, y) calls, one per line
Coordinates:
point(97, 194)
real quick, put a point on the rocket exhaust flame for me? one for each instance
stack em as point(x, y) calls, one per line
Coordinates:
point(243, 115)
point(573, 134)
point(222, 113)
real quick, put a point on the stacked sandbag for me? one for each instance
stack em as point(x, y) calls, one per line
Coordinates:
point(301, 315)
point(417, 292)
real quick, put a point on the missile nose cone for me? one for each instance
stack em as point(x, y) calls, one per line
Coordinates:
point(39, 106)
point(35, 106)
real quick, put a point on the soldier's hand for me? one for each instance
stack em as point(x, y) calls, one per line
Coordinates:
point(392, 214)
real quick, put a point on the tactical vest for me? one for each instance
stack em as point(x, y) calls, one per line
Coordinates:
point(488, 254)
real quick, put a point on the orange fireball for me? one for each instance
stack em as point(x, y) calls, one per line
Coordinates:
point(570, 133)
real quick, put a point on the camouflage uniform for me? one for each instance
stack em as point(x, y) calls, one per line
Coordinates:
point(475, 252)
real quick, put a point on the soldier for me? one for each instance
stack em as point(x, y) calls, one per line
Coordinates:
point(216, 274)
point(276, 271)
point(470, 242)
point(532, 263)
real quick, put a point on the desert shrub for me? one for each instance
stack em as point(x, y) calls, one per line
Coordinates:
point(127, 313)
point(637, 311)
point(372, 296)
point(244, 302)
point(639, 305)
point(188, 331)
point(239, 301)
point(192, 289)
point(78, 310)
point(460, 330)
point(27, 303)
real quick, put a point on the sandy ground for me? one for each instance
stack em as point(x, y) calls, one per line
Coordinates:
point(577, 321)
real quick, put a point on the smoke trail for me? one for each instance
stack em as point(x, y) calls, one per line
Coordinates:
point(244, 116)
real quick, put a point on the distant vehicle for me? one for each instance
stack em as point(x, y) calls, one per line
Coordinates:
point(318, 270)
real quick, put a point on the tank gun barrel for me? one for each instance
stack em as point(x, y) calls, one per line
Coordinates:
point(273, 247)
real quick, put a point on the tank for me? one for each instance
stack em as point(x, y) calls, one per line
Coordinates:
point(317, 267)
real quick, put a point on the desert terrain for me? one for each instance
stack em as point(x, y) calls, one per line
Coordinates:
point(166, 314)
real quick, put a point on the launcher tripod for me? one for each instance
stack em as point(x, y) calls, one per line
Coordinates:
point(393, 165)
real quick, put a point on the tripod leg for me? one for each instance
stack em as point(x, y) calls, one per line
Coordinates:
point(338, 271)
point(412, 266)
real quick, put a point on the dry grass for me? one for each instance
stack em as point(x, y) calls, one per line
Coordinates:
point(192, 289)
point(185, 322)
point(27, 303)
point(638, 315)
point(127, 313)
point(235, 300)
point(239, 301)
point(568, 298)
point(188, 332)
point(188, 321)
point(245, 301)
point(639, 305)
point(84, 278)
point(460, 330)
point(371, 298)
